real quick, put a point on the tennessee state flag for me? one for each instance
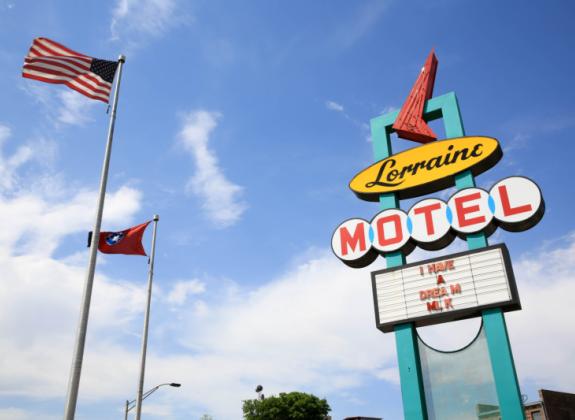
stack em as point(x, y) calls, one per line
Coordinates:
point(127, 241)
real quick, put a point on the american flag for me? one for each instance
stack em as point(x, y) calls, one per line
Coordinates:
point(51, 62)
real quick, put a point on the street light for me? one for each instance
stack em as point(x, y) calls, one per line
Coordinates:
point(259, 390)
point(132, 404)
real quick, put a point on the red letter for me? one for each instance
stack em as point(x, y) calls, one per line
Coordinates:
point(422, 295)
point(455, 288)
point(383, 241)
point(462, 212)
point(507, 209)
point(426, 211)
point(447, 303)
point(346, 239)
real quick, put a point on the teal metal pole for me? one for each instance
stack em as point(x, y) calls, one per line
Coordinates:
point(508, 391)
point(502, 364)
point(412, 391)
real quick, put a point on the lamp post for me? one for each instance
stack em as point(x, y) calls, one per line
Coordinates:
point(132, 404)
point(259, 390)
point(140, 393)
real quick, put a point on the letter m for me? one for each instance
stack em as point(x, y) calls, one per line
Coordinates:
point(455, 288)
point(351, 241)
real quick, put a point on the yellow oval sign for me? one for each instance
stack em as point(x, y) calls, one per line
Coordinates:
point(426, 169)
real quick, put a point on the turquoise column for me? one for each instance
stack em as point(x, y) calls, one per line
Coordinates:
point(502, 364)
point(413, 394)
point(507, 386)
point(508, 391)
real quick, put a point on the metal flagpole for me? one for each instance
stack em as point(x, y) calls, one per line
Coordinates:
point(146, 322)
point(78, 356)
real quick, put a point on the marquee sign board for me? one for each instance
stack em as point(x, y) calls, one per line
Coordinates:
point(445, 289)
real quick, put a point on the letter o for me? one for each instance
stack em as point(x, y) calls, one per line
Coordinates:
point(390, 230)
point(429, 225)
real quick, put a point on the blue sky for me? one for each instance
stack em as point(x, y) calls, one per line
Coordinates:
point(241, 124)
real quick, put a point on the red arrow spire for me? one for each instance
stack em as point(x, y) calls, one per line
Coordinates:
point(409, 124)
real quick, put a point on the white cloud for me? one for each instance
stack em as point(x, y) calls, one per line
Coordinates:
point(40, 294)
point(5, 133)
point(182, 289)
point(36, 224)
point(388, 109)
point(60, 105)
point(222, 199)
point(135, 21)
point(12, 413)
point(360, 23)
point(75, 109)
point(334, 106)
point(312, 328)
point(9, 165)
point(540, 332)
point(40, 306)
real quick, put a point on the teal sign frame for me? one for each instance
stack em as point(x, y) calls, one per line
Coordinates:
point(502, 364)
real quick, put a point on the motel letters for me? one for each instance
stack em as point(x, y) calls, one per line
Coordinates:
point(514, 204)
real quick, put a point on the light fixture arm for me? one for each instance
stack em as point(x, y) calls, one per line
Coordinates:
point(131, 404)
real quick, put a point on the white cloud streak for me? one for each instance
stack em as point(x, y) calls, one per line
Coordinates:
point(12, 413)
point(40, 294)
point(9, 165)
point(182, 289)
point(75, 108)
point(334, 106)
point(361, 23)
point(36, 224)
point(36, 219)
point(221, 199)
point(60, 105)
point(134, 22)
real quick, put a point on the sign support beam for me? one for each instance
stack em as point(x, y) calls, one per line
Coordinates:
point(508, 392)
point(405, 335)
point(502, 364)
point(507, 385)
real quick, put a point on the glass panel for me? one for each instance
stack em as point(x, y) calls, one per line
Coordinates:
point(459, 385)
point(536, 415)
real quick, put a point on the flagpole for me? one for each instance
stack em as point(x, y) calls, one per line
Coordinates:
point(78, 356)
point(146, 322)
